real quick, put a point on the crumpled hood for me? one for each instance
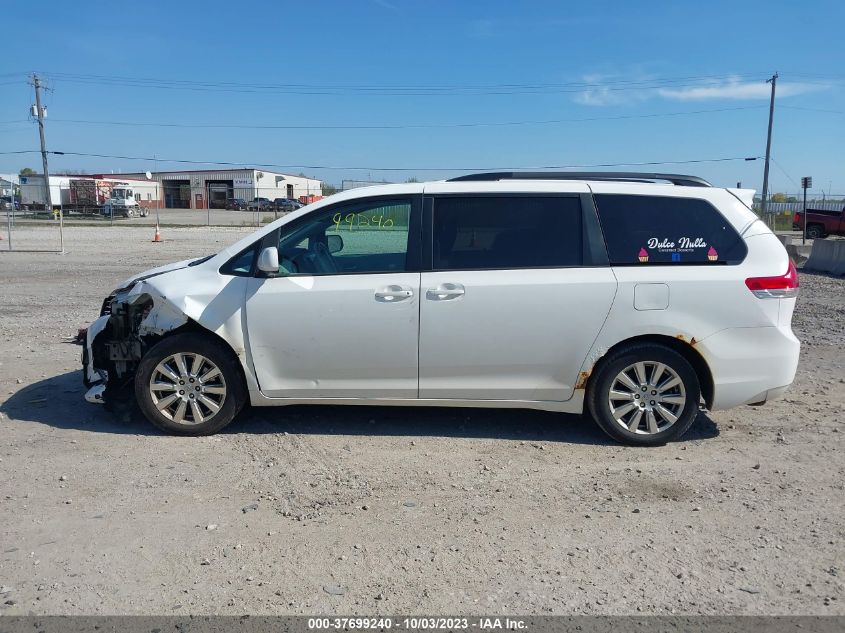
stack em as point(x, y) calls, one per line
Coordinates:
point(153, 272)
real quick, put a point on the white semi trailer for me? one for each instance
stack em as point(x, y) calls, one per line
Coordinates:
point(32, 191)
point(91, 195)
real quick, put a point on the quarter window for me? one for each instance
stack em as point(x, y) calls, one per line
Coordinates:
point(241, 264)
point(495, 232)
point(363, 238)
point(665, 230)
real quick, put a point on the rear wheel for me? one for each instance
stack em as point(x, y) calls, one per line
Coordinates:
point(814, 231)
point(189, 384)
point(646, 395)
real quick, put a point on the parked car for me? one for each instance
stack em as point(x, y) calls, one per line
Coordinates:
point(820, 222)
point(236, 204)
point(286, 204)
point(9, 203)
point(638, 301)
point(258, 204)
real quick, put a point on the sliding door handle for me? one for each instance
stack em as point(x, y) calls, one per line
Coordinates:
point(445, 292)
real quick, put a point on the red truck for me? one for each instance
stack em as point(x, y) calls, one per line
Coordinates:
point(820, 222)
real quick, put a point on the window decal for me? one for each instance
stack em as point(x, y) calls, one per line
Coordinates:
point(640, 229)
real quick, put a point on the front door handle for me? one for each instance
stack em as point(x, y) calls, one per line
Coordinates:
point(445, 292)
point(393, 293)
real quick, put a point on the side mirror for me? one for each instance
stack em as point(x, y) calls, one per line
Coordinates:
point(268, 260)
point(335, 243)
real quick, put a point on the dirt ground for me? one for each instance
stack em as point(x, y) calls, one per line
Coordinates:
point(392, 510)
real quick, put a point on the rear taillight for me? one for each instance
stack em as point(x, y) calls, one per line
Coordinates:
point(780, 287)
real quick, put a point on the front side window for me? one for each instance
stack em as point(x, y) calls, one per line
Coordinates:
point(666, 230)
point(496, 232)
point(361, 238)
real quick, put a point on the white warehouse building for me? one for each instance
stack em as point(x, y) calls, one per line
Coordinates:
point(214, 187)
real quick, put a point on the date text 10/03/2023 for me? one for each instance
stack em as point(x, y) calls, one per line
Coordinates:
point(417, 623)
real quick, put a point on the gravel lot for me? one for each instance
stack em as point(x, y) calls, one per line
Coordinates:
point(390, 510)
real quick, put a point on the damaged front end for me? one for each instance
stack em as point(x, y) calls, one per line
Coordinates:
point(132, 320)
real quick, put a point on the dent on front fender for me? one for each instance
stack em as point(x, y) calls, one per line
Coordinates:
point(162, 318)
point(211, 300)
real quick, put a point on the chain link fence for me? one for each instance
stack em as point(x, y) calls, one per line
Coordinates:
point(31, 231)
point(781, 215)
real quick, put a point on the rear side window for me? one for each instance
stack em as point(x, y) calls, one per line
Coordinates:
point(494, 232)
point(665, 230)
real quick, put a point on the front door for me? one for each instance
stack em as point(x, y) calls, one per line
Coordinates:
point(509, 310)
point(341, 319)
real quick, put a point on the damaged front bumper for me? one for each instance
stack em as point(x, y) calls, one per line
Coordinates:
point(95, 379)
point(131, 321)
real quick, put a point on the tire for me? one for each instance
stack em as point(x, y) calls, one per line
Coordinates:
point(655, 426)
point(218, 399)
point(814, 231)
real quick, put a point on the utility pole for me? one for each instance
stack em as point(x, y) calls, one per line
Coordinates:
point(48, 201)
point(764, 209)
point(806, 183)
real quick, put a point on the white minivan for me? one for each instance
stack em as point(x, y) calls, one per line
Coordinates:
point(640, 297)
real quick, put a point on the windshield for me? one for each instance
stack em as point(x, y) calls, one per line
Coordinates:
point(119, 194)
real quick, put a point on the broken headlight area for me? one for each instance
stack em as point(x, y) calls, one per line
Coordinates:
point(114, 346)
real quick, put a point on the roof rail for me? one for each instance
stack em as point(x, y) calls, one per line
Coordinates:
point(625, 176)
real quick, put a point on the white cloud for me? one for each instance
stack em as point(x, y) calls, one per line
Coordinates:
point(735, 89)
point(603, 96)
point(604, 90)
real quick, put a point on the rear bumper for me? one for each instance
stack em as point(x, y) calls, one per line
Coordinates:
point(750, 365)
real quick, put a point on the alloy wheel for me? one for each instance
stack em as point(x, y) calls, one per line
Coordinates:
point(647, 397)
point(187, 388)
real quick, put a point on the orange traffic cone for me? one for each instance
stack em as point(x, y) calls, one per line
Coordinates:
point(157, 237)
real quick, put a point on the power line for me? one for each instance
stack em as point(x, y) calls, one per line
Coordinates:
point(454, 86)
point(400, 126)
point(778, 165)
point(813, 109)
point(370, 168)
point(420, 89)
point(400, 90)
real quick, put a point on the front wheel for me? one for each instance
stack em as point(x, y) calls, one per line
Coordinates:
point(645, 395)
point(189, 384)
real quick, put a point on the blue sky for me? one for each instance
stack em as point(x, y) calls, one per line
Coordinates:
point(586, 83)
